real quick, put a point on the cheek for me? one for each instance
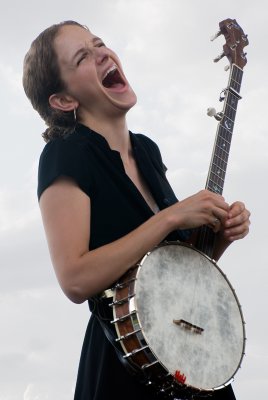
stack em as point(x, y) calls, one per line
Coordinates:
point(83, 82)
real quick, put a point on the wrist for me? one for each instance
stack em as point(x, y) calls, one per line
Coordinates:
point(170, 219)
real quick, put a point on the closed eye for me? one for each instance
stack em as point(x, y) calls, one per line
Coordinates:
point(100, 44)
point(82, 57)
point(84, 54)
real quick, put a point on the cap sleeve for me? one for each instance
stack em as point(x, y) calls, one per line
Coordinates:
point(62, 157)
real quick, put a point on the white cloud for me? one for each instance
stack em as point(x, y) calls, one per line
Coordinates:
point(40, 325)
point(39, 391)
point(11, 77)
point(29, 393)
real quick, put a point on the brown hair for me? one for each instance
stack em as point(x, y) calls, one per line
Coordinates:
point(41, 79)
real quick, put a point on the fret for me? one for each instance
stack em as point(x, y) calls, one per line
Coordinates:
point(223, 145)
point(227, 123)
point(225, 135)
point(235, 85)
point(230, 112)
point(213, 187)
point(215, 179)
point(218, 171)
point(220, 161)
point(232, 100)
point(221, 158)
point(216, 183)
point(236, 78)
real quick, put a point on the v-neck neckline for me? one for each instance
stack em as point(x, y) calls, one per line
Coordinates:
point(137, 150)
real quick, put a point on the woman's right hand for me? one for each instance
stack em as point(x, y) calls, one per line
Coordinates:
point(202, 208)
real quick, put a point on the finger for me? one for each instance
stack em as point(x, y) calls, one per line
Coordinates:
point(239, 236)
point(238, 219)
point(215, 224)
point(236, 208)
point(238, 232)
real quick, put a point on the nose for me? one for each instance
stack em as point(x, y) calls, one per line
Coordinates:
point(102, 55)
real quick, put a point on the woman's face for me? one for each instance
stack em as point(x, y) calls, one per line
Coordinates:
point(92, 73)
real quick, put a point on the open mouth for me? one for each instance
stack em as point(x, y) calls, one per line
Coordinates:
point(113, 79)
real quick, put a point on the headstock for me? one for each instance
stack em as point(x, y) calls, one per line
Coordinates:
point(236, 40)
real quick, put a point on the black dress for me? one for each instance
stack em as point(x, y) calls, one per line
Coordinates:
point(117, 208)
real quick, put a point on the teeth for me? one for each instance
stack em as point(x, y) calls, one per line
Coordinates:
point(111, 69)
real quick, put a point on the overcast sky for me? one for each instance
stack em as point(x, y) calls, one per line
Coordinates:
point(167, 55)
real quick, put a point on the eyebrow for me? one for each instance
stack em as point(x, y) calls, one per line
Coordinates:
point(96, 39)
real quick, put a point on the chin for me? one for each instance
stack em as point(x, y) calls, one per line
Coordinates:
point(132, 101)
point(124, 102)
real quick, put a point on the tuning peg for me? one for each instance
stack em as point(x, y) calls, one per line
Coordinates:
point(215, 36)
point(227, 67)
point(219, 57)
point(211, 112)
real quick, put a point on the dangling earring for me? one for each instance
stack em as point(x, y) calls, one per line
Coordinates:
point(75, 115)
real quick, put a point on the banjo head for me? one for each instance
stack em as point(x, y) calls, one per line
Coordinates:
point(189, 316)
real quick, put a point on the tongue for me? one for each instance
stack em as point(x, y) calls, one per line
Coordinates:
point(109, 83)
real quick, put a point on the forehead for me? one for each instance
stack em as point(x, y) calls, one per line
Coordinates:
point(69, 39)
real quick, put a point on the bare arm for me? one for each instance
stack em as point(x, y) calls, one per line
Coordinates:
point(82, 273)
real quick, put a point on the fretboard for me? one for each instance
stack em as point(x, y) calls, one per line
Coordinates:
point(221, 150)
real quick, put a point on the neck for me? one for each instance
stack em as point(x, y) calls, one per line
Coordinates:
point(115, 131)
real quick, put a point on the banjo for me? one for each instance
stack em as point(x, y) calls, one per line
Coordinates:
point(176, 315)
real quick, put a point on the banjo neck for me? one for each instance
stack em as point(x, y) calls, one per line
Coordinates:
point(220, 154)
point(231, 95)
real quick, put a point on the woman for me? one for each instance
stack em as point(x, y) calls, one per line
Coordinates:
point(104, 197)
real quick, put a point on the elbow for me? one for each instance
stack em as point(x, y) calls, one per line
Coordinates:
point(75, 295)
point(73, 284)
point(73, 290)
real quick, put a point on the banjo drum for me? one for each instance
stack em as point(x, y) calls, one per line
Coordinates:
point(176, 315)
point(178, 319)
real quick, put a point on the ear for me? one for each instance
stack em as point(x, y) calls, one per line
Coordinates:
point(63, 102)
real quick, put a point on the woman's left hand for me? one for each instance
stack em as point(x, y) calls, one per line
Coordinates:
point(236, 225)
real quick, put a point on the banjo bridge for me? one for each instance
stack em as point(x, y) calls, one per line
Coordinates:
point(188, 326)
